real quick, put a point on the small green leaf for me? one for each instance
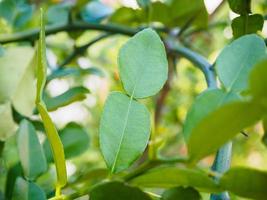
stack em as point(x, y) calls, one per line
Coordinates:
point(236, 61)
point(68, 97)
point(75, 141)
point(168, 177)
point(181, 193)
point(240, 6)
point(124, 131)
point(204, 104)
point(25, 190)
point(51, 131)
point(7, 126)
point(245, 182)
point(258, 82)
point(243, 25)
point(143, 64)
point(14, 86)
point(30, 151)
point(220, 126)
point(117, 191)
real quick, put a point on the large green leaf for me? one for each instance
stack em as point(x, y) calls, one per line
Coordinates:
point(204, 104)
point(243, 25)
point(117, 191)
point(237, 59)
point(75, 141)
point(258, 82)
point(143, 64)
point(240, 6)
point(31, 154)
point(245, 182)
point(25, 190)
point(124, 131)
point(168, 177)
point(7, 124)
point(17, 78)
point(220, 126)
point(181, 193)
point(72, 95)
point(51, 131)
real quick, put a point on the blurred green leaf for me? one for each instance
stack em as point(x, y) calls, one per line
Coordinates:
point(117, 191)
point(17, 77)
point(31, 154)
point(235, 62)
point(7, 125)
point(143, 3)
point(59, 13)
point(61, 73)
point(245, 182)
point(243, 25)
point(72, 95)
point(95, 11)
point(143, 64)
point(181, 193)
point(124, 131)
point(75, 141)
point(240, 6)
point(25, 190)
point(220, 126)
point(203, 105)
point(168, 177)
point(51, 131)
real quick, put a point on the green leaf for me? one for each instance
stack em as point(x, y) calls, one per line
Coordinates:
point(258, 82)
point(51, 131)
point(31, 154)
point(204, 104)
point(124, 131)
point(243, 25)
point(75, 141)
point(7, 126)
point(181, 193)
point(220, 126)
point(236, 61)
point(117, 191)
point(245, 182)
point(61, 73)
point(143, 64)
point(14, 86)
point(72, 95)
point(59, 13)
point(168, 177)
point(143, 3)
point(25, 190)
point(240, 6)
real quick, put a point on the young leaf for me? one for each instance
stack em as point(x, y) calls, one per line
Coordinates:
point(17, 77)
point(143, 64)
point(245, 182)
point(124, 131)
point(168, 177)
point(181, 193)
point(30, 151)
point(243, 25)
point(236, 61)
point(240, 6)
point(51, 131)
point(75, 141)
point(118, 191)
point(25, 190)
point(204, 104)
point(220, 126)
point(68, 97)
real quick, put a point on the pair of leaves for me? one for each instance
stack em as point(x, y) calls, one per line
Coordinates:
point(75, 141)
point(51, 131)
point(216, 115)
point(125, 123)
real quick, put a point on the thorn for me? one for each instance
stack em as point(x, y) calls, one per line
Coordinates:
point(244, 133)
